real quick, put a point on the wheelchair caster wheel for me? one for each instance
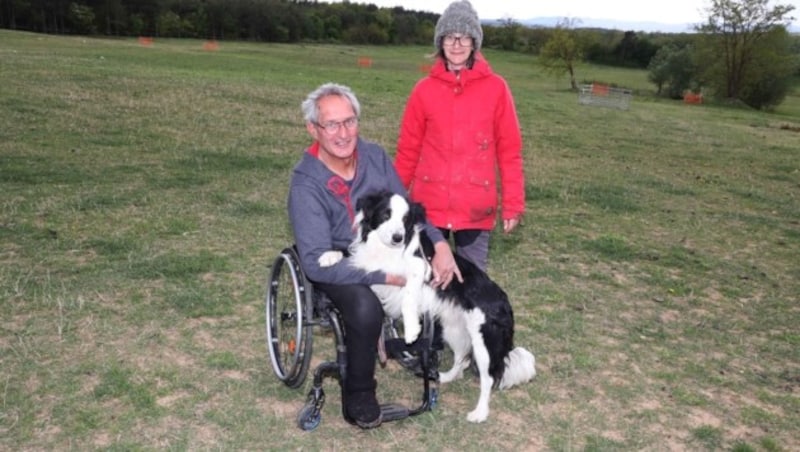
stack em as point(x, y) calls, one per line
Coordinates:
point(309, 417)
point(433, 398)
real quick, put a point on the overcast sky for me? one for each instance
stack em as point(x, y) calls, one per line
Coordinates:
point(669, 12)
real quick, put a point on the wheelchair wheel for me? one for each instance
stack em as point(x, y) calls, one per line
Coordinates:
point(289, 312)
point(309, 417)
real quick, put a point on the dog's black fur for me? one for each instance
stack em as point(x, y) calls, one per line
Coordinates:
point(478, 291)
point(462, 307)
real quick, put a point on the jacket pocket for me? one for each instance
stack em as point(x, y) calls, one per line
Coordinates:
point(481, 196)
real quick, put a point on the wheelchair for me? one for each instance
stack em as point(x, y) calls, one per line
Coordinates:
point(294, 309)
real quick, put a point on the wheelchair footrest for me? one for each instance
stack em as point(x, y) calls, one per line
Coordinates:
point(397, 346)
point(393, 412)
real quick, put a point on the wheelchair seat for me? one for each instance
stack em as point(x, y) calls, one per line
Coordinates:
point(293, 308)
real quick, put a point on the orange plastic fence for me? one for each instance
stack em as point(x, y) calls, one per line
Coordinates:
point(364, 61)
point(599, 89)
point(145, 41)
point(425, 68)
point(692, 98)
point(211, 45)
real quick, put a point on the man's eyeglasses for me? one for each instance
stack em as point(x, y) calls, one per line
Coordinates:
point(332, 127)
point(464, 40)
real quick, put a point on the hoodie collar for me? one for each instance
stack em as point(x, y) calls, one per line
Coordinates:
point(480, 69)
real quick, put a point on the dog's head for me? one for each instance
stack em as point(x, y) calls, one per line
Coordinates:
point(388, 215)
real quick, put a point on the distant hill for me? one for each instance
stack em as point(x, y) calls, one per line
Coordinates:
point(611, 24)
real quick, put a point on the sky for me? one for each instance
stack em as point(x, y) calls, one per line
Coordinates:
point(668, 12)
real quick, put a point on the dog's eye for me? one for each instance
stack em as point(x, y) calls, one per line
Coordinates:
point(387, 215)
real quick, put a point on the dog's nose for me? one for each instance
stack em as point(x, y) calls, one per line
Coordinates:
point(397, 238)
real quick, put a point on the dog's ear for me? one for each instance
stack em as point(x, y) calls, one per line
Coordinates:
point(364, 207)
point(417, 212)
point(364, 202)
point(426, 244)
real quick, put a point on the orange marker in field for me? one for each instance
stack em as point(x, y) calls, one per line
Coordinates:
point(211, 45)
point(364, 61)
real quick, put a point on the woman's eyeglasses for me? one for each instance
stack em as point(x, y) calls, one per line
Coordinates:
point(464, 40)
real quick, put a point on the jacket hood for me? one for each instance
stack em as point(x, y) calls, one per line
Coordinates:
point(310, 166)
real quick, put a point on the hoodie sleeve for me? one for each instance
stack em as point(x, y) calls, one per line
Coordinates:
point(409, 142)
point(509, 156)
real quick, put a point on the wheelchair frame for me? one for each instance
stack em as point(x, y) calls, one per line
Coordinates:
point(289, 326)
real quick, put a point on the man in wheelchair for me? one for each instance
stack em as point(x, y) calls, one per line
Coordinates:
point(334, 171)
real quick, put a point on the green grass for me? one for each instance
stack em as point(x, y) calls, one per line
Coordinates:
point(655, 275)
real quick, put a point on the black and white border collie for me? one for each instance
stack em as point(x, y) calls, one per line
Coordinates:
point(476, 316)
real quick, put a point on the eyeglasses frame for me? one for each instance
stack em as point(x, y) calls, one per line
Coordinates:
point(457, 39)
point(333, 127)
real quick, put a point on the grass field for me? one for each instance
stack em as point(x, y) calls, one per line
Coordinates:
point(655, 276)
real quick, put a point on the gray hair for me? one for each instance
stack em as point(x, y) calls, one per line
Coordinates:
point(310, 106)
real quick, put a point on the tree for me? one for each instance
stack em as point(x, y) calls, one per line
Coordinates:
point(634, 50)
point(509, 34)
point(168, 24)
point(627, 47)
point(82, 19)
point(657, 70)
point(732, 39)
point(770, 80)
point(109, 16)
point(562, 51)
point(404, 29)
point(672, 66)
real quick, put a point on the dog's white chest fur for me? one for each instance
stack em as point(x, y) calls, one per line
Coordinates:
point(374, 254)
point(390, 247)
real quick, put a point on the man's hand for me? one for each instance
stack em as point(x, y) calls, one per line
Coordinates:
point(395, 280)
point(444, 266)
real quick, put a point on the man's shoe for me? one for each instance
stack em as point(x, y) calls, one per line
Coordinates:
point(363, 409)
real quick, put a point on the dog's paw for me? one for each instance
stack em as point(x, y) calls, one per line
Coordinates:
point(479, 414)
point(412, 331)
point(329, 258)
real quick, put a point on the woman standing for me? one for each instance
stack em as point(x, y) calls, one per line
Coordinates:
point(459, 131)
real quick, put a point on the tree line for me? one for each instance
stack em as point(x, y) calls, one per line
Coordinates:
point(296, 21)
point(254, 20)
point(743, 50)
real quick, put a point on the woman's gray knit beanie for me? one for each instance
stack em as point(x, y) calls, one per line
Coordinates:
point(459, 17)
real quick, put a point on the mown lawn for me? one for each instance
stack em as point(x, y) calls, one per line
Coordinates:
point(655, 276)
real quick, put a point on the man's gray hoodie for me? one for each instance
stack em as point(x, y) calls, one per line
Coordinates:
point(321, 211)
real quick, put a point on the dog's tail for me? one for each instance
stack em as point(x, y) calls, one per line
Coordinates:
point(520, 367)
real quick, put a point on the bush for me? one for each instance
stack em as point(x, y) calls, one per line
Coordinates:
point(672, 70)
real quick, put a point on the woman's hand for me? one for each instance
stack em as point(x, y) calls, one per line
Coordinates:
point(444, 266)
point(510, 224)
